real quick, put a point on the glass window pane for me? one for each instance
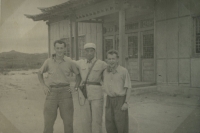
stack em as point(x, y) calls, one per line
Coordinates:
point(148, 46)
point(108, 45)
point(133, 46)
point(197, 36)
point(81, 43)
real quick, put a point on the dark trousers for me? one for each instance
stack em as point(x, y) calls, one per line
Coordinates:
point(62, 99)
point(116, 119)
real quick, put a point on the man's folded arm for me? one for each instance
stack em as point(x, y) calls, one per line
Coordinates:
point(76, 71)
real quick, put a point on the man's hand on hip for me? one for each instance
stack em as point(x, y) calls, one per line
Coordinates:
point(69, 90)
point(46, 89)
point(124, 106)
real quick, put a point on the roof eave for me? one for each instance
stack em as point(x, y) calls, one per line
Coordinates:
point(37, 17)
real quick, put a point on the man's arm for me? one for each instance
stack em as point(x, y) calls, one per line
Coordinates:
point(127, 86)
point(43, 69)
point(78, 80)
point(76, 70)
point(44, 86)
point(128, 94)
point(104, 66)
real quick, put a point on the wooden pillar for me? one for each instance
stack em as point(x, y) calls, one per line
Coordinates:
point(70, 38)
point(122, 46)
point(0, 12)
point(49, 42)
point(76, 40)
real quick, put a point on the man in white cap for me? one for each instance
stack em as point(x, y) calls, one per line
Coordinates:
point(92, 108)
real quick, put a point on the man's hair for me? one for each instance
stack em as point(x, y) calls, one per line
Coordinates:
point(112, 51)
point(60, 42)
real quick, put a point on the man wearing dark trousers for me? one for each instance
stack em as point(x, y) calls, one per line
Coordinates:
point(117, 86)
point(57, 88)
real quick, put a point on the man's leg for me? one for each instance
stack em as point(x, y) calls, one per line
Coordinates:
point(86, 117)
point(97, 113)
point(121, 117)
point(66, 112)
point(110, 122)
point(50, 114)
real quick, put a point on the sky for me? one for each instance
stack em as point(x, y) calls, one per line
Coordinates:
point(25, 35)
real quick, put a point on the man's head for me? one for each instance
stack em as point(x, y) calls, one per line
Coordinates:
point(60, 47)
point(112, 58)
point(90, 49)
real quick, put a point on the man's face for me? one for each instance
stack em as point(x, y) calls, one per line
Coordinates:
point(89, 53)
point(112, 60)
point(59, 49)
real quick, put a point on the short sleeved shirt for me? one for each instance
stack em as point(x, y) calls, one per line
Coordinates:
point(59, 71)
point(115, 84)
point(96, 75)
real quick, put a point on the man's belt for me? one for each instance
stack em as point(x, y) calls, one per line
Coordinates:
point(59, 85)
point(93, 83)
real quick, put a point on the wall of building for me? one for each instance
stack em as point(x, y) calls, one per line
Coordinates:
point(58, 30)
point(174, 42)
point(92, 32)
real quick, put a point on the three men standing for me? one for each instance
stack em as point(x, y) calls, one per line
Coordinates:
point(116, 84)
point(57, 88)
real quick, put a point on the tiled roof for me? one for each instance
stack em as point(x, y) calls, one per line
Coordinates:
point(65, 8)
point(73, 6)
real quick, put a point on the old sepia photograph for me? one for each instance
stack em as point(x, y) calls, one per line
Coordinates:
point(99, 66)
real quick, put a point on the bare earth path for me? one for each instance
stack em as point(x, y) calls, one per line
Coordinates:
point(22, 100)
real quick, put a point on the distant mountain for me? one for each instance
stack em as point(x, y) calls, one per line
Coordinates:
point(18, 60)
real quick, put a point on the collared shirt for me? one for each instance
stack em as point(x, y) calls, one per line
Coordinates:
point(59, 71)
point(115, 83)
point(93, 91)
point(89, 63)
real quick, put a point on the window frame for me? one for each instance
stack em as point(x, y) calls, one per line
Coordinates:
point(195, 55)
point(81, 49)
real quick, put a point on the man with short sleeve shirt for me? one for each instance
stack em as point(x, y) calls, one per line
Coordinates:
point(57, 88)
point(117, 85)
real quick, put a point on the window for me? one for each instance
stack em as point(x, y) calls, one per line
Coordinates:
point(117, 43)
point(81, 43)
point(108, 45)
point(147, 23)
point(133, 47)
point(197, 36)
point(132, 26)
point(148, 46)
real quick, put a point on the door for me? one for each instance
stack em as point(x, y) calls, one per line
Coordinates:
point(133, 57)
point(147, 56)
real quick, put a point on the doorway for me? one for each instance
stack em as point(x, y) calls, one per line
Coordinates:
point(140, 60)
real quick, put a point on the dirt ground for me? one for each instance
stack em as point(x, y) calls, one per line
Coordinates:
point(22, 100)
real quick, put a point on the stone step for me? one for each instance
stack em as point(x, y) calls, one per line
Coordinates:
point(143, 89)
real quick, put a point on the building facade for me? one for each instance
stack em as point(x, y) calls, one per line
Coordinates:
point(158, 40)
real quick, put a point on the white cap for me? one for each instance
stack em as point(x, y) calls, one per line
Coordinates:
point(90, 45)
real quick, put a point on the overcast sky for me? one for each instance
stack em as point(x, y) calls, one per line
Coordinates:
point(25, 35)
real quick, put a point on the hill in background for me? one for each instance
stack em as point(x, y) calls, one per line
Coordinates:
point(14, 60)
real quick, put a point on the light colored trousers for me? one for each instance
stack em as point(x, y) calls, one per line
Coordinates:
point(91, 113)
